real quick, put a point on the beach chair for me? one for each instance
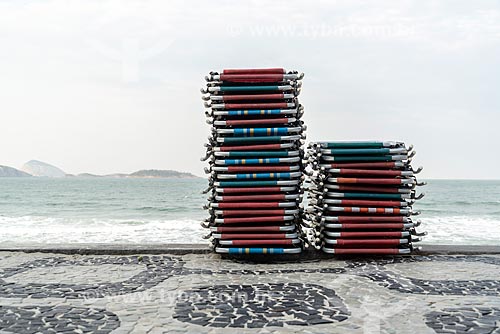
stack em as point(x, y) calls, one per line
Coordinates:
point(361, 196)
point(255, 156)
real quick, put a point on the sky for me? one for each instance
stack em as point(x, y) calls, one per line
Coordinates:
point(113, 86)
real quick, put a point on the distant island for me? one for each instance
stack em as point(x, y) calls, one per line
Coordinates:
point(161, 173)
point(6, 171)
point(43, 169)
point(35, 168)
point(146, 174)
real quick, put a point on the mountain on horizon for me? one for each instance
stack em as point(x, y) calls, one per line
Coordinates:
point(6, 171)
point(146, 174)
point(42, 169)
point(151, 173)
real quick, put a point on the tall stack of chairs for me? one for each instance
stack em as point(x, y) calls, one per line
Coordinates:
point(255, 160)
point(360, 197)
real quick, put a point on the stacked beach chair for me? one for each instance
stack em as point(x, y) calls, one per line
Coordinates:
point(361, 196)
point(255, 155)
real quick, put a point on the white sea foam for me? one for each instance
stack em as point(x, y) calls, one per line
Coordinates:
point(462, 230)
point(46, 230)
point(32, 230)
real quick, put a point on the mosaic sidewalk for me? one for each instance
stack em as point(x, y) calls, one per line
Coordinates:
point(200, 293)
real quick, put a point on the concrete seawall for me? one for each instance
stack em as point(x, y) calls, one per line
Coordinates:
point(183, 249)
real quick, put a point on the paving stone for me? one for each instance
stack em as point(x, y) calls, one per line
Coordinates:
point(303, 297)
point(27, 320)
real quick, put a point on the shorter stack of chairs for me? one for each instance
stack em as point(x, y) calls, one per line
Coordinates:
point(255, 155)
point(361, 196)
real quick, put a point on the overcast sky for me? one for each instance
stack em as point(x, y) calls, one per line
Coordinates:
point(113, 86)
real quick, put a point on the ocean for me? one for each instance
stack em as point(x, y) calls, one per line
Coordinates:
point(142, 211)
